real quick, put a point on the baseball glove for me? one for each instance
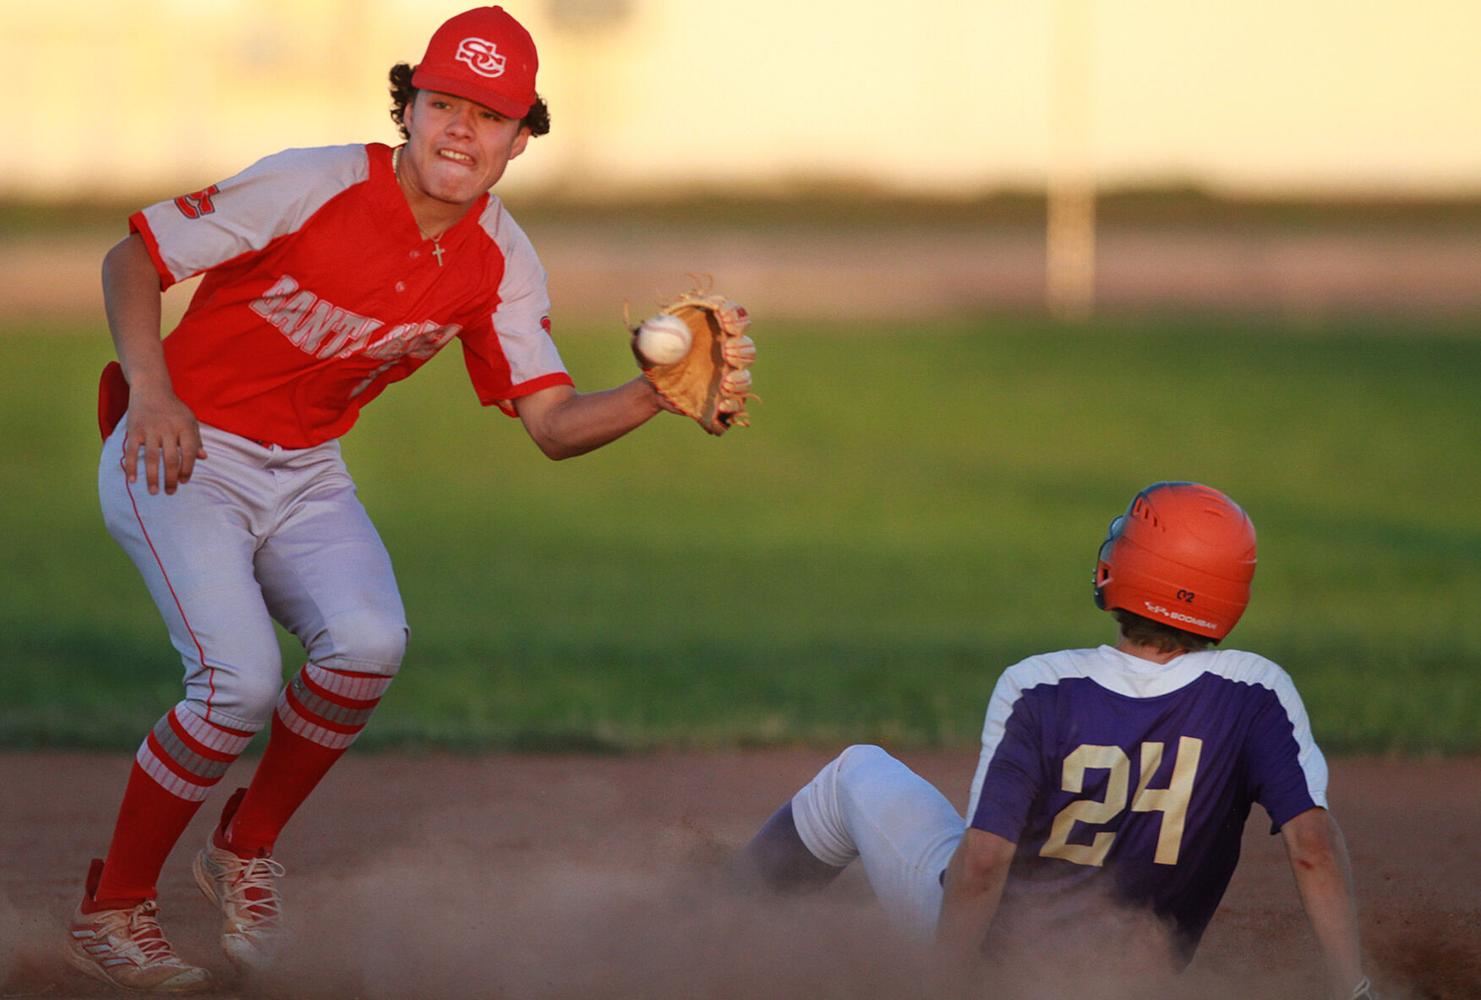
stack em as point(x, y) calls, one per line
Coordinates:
point(711, 384)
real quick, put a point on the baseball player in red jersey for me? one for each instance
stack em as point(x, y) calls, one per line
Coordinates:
point(329, 274)
point(1112, 781)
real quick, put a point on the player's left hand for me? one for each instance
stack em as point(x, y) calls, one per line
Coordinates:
point(739, 354)
point(660, 400)
point(711, 382)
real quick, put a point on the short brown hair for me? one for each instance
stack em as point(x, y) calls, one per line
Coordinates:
point(1163, 638)
point(537, 119)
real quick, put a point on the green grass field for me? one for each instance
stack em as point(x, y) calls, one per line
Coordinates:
point(913, 510)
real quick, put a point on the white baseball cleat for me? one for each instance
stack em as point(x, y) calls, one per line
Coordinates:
point(127, 948)
point(246, 892)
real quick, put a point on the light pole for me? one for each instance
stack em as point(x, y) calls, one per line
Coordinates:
point(1070, 224)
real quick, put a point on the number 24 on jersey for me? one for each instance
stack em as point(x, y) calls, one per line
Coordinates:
point(1171, 801)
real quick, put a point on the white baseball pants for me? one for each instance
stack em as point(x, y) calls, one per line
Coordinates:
point(259, 533)
point(865, 804)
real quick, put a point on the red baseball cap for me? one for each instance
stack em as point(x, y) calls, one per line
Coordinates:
point(482, 55)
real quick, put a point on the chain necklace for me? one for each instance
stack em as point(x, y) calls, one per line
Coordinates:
point(437, 250)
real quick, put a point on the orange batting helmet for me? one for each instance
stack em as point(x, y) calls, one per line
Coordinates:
point(1184, 555)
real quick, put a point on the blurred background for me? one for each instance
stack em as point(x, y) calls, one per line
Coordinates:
point(1309, 158)
point(953, 96)
point(1008, 262)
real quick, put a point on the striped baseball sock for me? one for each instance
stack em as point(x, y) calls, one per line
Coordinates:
point(320, 713)
point(179, 762)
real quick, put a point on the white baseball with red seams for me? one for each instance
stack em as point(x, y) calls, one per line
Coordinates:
point(664, 339)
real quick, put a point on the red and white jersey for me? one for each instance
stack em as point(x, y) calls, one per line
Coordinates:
point(320, 291)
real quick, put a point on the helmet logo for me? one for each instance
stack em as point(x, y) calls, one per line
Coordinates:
point(1178, 616)
point(482, 57)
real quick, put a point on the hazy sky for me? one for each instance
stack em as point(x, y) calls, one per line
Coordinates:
point(138, 95)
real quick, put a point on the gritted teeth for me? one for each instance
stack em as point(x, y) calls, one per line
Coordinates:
point(454, 155)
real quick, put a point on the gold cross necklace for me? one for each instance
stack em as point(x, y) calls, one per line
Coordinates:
point(437, 250)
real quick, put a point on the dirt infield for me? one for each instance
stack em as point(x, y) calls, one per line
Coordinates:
point(552, 877)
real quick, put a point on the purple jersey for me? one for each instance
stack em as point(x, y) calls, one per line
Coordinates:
point(1121, 777)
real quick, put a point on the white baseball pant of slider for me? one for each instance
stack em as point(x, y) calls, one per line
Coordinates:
point(865, 804)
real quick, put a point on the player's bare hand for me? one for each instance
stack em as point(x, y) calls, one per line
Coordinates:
point(167, 432)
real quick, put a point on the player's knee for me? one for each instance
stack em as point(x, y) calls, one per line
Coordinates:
point(862, 756)
point(241, 688)
point(821, 808)
point(364, 641)
point(248, 698)
point(863, 768)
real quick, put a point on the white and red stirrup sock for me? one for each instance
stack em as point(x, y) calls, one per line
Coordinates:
point(177, 765)
point(320, 713)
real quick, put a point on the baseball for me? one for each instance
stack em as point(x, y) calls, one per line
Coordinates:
point(663, 339)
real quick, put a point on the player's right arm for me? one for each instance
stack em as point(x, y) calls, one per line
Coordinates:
point(158, 422)
point(972, 889)
point(1006, 783)
point(1318, 857)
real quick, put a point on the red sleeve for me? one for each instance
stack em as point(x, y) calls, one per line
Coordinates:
point(492, 375)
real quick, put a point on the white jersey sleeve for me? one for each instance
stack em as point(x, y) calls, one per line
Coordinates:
point(1283, 756)
point(522, 318)
point(273, 197)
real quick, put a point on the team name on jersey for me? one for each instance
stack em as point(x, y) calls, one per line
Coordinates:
point(319, 327)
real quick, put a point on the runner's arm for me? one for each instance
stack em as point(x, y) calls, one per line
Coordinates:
point(1318, 858)
point(972, 891)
